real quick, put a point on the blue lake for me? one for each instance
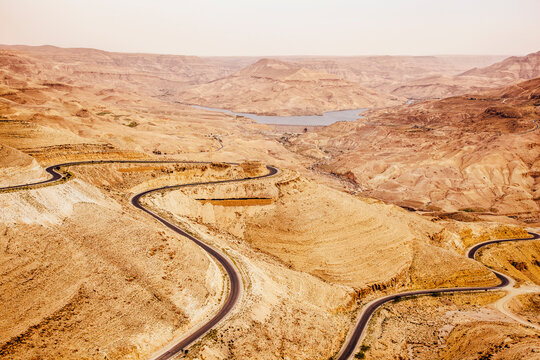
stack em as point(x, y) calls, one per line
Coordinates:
point(326, 118)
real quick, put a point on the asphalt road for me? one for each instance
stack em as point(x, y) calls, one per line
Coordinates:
point(235, 281)
point(536, 126)
point(352, 341)
point(232, 272)
point(234, 277)
point(56, 175)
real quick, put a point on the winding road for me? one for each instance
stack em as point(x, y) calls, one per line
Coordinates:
point(235, 281)
point(356, 335)
point(536, 123)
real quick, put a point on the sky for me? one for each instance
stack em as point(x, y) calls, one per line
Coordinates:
point(277, 27)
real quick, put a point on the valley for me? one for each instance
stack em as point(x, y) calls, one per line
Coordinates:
point(160, 229)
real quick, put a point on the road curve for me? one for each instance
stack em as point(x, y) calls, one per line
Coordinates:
point(536, 123)
point(232, 272)
point(355, 336)
point(353, 339)
point(230, 268)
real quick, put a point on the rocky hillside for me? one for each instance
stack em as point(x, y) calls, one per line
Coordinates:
point(86, 275)
point(475, 152)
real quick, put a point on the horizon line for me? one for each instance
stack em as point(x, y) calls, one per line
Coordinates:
point(259, 56)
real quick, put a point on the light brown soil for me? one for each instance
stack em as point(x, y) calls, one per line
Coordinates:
point(101, 280)
point(463, 326)
point(527, 306)
point(519, 260)
point(85, 275)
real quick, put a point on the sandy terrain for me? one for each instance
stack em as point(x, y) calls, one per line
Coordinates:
point(527, 307)
point(17, 167)
point(122, 258)
point(521, 261)
point(82, 271)
point(85, 275)
point(465, 326)
point(306, 238)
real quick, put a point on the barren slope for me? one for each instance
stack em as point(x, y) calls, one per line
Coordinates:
point(478, 152)
point(514, 68)
point(464, 326)
point(333, 236)
point(18, 168)
point(84, 271)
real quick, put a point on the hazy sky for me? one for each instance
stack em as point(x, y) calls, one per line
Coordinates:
point(277, 27)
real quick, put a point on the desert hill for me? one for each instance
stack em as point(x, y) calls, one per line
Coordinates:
point(167, 75)
point(17, 167)
point(505, 72)
point(513, 68)
point(441, 86)
point(385, 73)
point(151, 74)
point(477, 152)
point(277, 87)
point(269, 69)
point(87, 275)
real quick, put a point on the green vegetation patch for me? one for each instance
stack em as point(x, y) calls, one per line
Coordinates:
point(362, 353)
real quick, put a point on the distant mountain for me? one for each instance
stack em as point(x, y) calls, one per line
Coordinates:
point(384, 73)
point(152, 74)
point(513, 68)
point(505, 72)
point(272, 86)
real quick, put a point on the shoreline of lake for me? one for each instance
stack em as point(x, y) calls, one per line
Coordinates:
point(325, 119)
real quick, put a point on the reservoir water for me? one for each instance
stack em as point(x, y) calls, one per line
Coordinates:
point(326, 118)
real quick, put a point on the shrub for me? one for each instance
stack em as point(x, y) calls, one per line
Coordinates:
point(361, 354)
point(503, 112)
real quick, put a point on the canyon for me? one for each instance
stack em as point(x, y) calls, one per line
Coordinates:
point(361, 209)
